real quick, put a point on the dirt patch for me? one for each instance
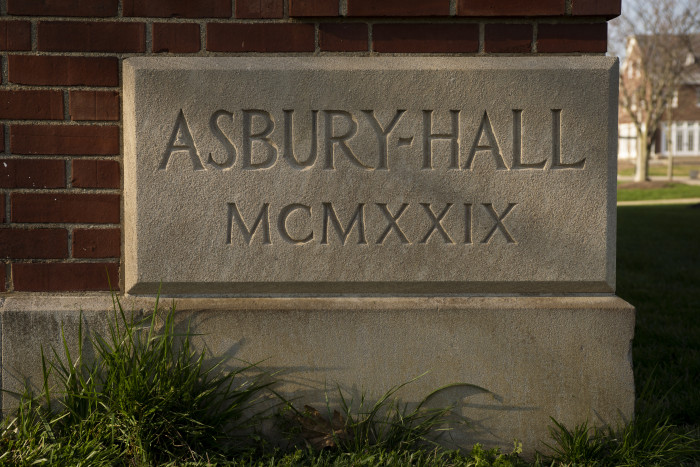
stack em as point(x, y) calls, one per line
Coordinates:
point(648, 185)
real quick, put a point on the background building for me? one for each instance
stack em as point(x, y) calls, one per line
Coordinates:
point(684, 109)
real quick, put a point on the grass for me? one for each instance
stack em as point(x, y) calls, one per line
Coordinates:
point(659, 272)
point(476, 457)
point(149, 399)
point(670, 191)
point(659, 170)
point(371, 425)
point(645, 441)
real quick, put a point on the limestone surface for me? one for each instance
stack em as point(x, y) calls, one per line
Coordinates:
point(537, 357)
point(369, 175)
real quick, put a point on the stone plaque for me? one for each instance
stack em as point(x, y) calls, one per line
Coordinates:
point(349, 175)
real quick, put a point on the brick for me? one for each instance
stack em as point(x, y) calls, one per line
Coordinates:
point(313, 8)
point(2, 207)
point(426, 38)
point(64, 71)
point(65, 207)
point(176, 37)
point(64, 277)
point(259, 8)
point(94, 105)
point(607, 8)
point(15, 35)
point(508, 38)
point(28, 105)
point(33, 244)
point(74, 36)
point(2, 138)
point(572, 38)
point(260, 37)
point(398, 8)
point(96, 243)
point(101, 8)
point(511, 7)
point(95, 174)
point(343, 37)
point(64, 139)
point(3, 279)
point(178, 8)
point(32, 173)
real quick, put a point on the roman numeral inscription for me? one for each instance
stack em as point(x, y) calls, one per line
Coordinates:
point(322, 222)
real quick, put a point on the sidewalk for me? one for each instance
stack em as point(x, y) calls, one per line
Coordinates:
point(650, 202)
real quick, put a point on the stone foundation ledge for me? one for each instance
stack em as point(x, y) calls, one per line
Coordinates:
point(540, 357)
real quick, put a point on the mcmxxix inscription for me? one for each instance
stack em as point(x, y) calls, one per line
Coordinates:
point(369, 175)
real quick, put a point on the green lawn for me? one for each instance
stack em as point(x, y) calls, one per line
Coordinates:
point(671, 191)
point(658, 271)
point(627, 170)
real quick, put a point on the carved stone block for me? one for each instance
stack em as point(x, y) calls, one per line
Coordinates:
point(392, 175)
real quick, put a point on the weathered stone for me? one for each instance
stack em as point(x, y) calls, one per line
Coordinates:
point(562, 357)
point(392, 175)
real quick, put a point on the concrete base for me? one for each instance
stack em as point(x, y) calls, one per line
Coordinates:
point(563, 357)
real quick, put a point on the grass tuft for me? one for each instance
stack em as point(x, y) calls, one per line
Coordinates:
point(386, 424)
point(146, 399)
point(644, 441)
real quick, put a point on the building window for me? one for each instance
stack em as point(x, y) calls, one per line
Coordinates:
point(664, 139)
point(691, 142)
point(679, 137)
point(627, 148)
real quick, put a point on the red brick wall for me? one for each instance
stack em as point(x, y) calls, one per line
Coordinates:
point(60, 117)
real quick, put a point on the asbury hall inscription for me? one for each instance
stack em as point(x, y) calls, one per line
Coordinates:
point(369, 175)
point(337, 143)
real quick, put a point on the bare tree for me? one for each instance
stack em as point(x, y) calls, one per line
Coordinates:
point(658, 48)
